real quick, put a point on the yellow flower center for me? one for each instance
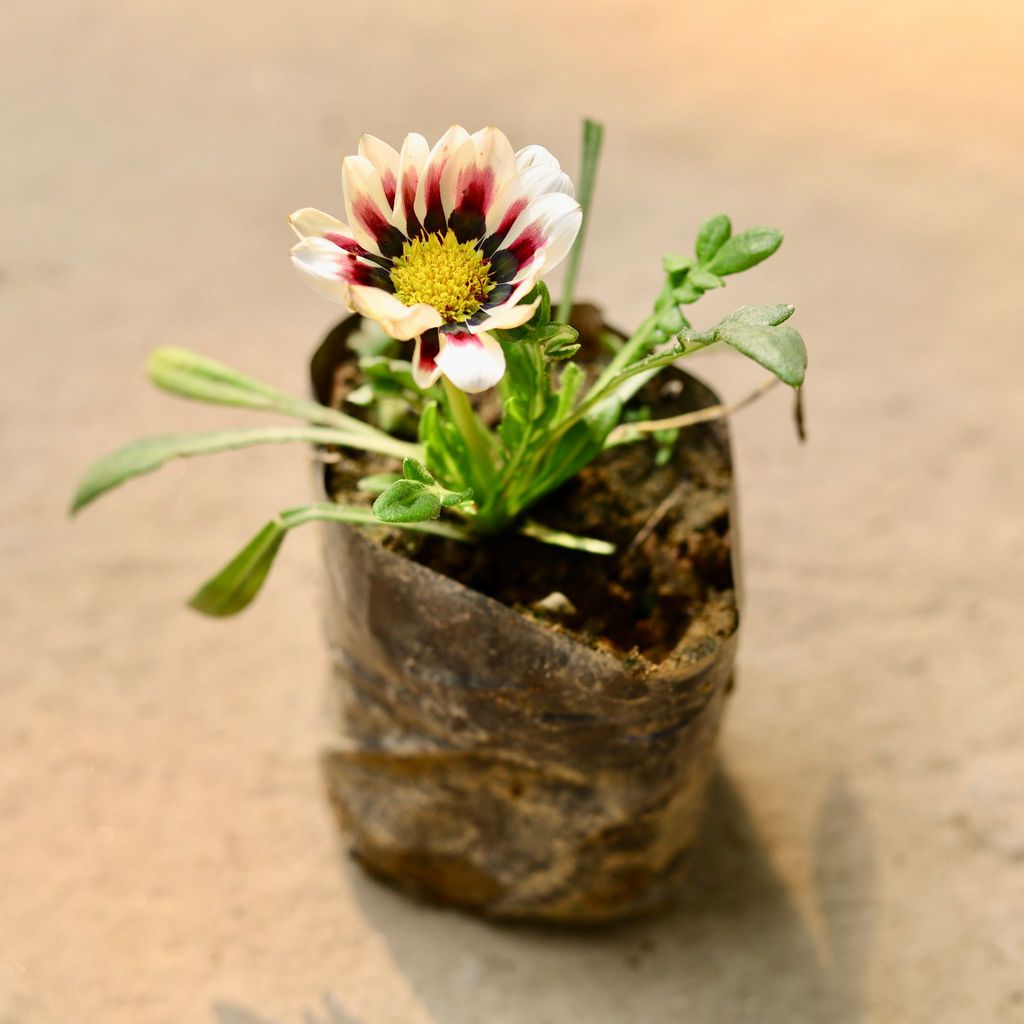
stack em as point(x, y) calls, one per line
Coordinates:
point(444, 273)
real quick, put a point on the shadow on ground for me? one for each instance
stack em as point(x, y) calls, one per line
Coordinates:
point(736, 949)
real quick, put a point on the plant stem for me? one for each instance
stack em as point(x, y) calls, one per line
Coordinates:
point(592, 136)
point(689, 419)
point(475, 435)
point(632, 350)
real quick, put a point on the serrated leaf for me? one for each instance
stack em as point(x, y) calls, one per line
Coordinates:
point(413, 469)
point(760, 316)
point(778, 349)
point(713, 234)
point(407, 501)
point(745, 250)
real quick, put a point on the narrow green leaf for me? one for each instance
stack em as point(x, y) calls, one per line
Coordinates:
point(151, 453)
point(376, 483)
point(543, 314)
point(713, 234)
point(778, 349)
point(188, 375)
point(407, 501)
point(760, 316)
point(568, 389)
point(561, 539)
point(593, 133)
point(234, 587)
point(444, 447)
point(745, 250)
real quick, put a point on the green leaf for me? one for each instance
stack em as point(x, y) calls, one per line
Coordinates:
point(449, 499)
point(417, 497)
point(713, 234)
point(704, 279)
point(234, 587)
point(188, 375)
point(151, 453)
point(407, 501)
point(697, 339)
point(543, 314)
point(778, 349)
point(376, 482)
point(671, 320)
point(676, 266)
point(557, 334)
point(578, 447)
point(760, 316)
point(413, 469)
point(560, 352)
point(561, 539)
point(745, 250)
point(444, 447)
point(568, 389)
point(686, 293)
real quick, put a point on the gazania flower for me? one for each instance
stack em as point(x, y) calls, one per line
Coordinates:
point(442, 245)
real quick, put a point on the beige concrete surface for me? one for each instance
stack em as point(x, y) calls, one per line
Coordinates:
point(163, 841)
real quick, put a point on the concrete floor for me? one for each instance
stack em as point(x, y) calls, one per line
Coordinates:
point(163, 841)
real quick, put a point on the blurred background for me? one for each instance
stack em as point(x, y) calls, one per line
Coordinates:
point(163, 839)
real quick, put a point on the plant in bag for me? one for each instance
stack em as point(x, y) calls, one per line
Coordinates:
point(444, 249)
point(521, 756)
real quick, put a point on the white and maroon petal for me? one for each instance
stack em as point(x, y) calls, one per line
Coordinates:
point(532, 183)
point(429, 208)
point(510, 313)
point(326, 265)
point(399, 320)
point(472, 180)
point(549, 225)
point(367, 208)
point(310, 223)
point(472, 362)
point(385, 162)
point(320, 264)
point(411, 162)
point(425, 370)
